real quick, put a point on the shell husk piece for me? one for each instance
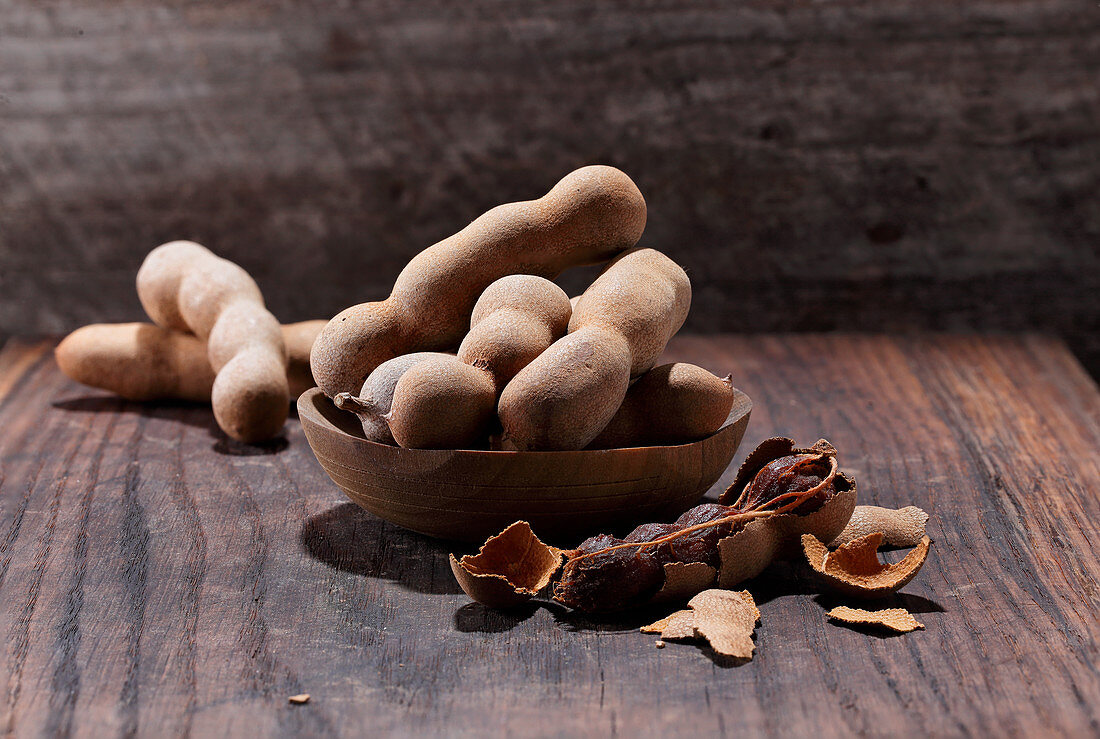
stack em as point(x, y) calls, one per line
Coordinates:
point(684, 579)
point(678, 625)
point(748, 552)
point(659, 625)
point(509, 569)
point(900, 527)
point(895, 619)
point(855, 568)
point(726, 619)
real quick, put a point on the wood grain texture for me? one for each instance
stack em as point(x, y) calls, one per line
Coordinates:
point(851, 165)
point(155, 578)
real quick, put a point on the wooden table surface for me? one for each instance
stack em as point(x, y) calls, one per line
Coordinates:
point(156, 578)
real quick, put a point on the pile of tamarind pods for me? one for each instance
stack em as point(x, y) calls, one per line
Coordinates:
point(543, 371)
point(211, 339)
point(474, 341)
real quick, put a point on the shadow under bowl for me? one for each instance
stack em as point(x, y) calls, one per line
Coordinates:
point(469, 495)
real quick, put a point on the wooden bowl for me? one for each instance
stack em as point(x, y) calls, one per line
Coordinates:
point(470, 495)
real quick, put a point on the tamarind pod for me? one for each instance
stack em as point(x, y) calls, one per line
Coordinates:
point(298, 339)
point(671, 404)
point(565, 397)
point(373, 403)
point(417, 419)
point(184, 285)
point(514, 321)
point(142, 361)
point(137, 361)
point(589, 216)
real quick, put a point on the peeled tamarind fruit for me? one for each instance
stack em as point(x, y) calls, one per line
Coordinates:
point(591, 215)
point(449, 402)
point(375, 398)
point(565, 397)
point(671, 404)
point(142, 361)
point(184, 286)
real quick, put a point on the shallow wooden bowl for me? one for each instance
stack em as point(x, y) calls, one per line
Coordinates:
point(470, 495)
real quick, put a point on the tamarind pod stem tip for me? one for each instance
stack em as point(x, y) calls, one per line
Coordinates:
point(354, 404)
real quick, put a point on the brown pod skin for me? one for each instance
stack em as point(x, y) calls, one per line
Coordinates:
point(591, 215)
point(671, 404)
point(465, 391)
point(185, 286)
point(375, 399)
point(137, 361)
point(513, 322)
point(142, 361)
point(620, 326)
point(566, 396)
point(299, 338)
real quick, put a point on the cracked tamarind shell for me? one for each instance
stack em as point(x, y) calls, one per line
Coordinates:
point(748, 552)
point(509, 569)
point(855, 569)
point(683, 580)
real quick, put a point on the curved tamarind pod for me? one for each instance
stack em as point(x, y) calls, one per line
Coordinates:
point(565, 397)
point(142, 361)
point(514, 321)
point(591, 215)
point(183, 285)
point(671, 404)
point(449, 402)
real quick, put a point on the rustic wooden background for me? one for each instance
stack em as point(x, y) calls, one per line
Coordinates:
point(846, 165)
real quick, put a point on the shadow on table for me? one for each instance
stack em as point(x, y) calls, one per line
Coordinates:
point(351, 540)
point(196, 415)
point(477, 618)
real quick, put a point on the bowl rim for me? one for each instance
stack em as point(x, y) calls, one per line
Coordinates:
point(742, 407)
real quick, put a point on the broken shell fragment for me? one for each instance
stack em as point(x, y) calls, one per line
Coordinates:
point(726, 619)
point(509, 569)
point(900, 527)
point(895, 619)
point(678, 625)
point(855, 568)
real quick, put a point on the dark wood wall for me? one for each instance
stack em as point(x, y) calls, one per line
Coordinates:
point(853, 165)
